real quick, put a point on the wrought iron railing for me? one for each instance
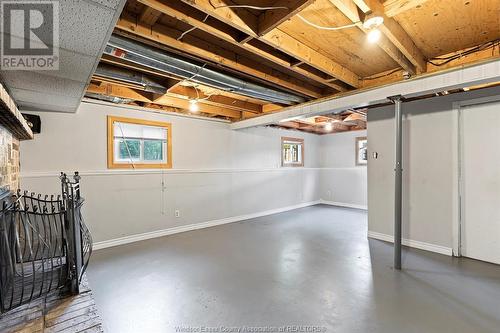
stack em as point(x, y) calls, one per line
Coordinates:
point(44, 244)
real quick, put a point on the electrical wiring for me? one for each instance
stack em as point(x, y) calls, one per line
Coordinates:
point(381, 76)
point(247, 6)
point(298, 15)
point(126, 146)
point(190, 78)
point(355, 24)
point(448, 59)
point(193, 28)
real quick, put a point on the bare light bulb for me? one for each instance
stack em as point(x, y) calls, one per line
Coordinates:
point(193, 105)
point(328, 127)
point(373, 36)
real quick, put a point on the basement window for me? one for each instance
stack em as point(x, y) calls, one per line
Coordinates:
point(137, 143)
point(292, 152)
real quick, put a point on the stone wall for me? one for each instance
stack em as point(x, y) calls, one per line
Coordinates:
point(9, 161)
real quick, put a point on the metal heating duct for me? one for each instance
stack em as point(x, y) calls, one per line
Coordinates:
point(171, 64)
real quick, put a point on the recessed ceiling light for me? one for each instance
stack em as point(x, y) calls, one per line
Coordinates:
point(373, 36)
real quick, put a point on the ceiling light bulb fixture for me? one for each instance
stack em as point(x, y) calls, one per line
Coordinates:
point(373, 22)
point(374, 35)
point(193, 105)
point(328, 126)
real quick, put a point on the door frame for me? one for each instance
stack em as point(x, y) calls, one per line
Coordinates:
point(457, 140)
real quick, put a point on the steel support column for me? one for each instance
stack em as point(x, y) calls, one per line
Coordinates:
point(398, 179)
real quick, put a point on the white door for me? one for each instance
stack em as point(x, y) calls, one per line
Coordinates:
point(480, 236)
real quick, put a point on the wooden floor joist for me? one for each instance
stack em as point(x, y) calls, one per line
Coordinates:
point(323, 53)
point(166, 100)
point(201, 49)
point(180, 13)
point(246, 22)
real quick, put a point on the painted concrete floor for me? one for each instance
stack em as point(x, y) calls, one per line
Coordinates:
point(308, 267)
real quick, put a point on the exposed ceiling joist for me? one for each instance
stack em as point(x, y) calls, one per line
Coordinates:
point(166, 100)
point(285, 43)
point(216, 100)
point(395, 7)
point(169, 38)
point(425, 84)
point(172, 10)
point(271, 19)
point(395, 33)
point(246, 22)
point(351, 11)
point(149, 16)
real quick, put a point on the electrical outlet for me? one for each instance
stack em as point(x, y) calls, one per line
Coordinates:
point(177, 213)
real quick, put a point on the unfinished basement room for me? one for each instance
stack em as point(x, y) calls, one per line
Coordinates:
point(250, 166)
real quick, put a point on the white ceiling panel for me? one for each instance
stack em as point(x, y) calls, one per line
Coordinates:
point(113, 4)
point(74, 66)
point(32, 100)
point(84, 26)
point(43, 83)
point(84, 29)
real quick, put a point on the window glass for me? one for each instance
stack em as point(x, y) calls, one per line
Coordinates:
point(292, 152)
point(153, 150)
point(138, 143)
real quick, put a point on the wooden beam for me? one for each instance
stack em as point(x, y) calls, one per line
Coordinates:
point(167, 37)
point(216, 100)
point(283, 42)
point(395, 7)
point(351, 11)
point(149, 16)
point(271, 19)
point(141, 96)
point(278, 39)
point(396, 34)
point(173, 9)
point(464, 60)
point(204, 107)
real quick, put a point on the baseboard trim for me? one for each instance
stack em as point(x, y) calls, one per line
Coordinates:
point(343, 204)
point(195, 226)
point(413, 243)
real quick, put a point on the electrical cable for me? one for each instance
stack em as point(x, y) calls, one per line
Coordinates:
point(193, 28)
point(126, 146)
point(448, 59)
point(381, 76)
point(247, 6)
point(355, 24)
point(298, 15)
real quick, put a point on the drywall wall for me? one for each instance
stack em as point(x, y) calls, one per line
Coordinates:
point(218, 173)
point(430, 169)
point(341, 180)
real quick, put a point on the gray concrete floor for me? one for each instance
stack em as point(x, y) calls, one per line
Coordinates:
point(312, 266)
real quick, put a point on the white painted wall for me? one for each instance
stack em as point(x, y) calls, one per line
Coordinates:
point(430, 168)
point(341, 180)
point(218, 173)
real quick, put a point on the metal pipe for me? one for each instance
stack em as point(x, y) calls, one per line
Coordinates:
point(136, 79)
point(171, 64)
point(398, 180)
